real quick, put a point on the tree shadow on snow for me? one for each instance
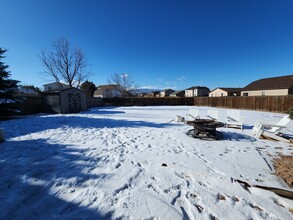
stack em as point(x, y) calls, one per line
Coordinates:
point(38, 181)
point(29, 125)
point(104, 111)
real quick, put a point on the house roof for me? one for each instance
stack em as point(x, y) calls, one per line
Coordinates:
point(281, 82)
point(168, 90)
point(197, 87)
point(229, 89)
point(109, 86)
point(59, 83)
point(177, 92)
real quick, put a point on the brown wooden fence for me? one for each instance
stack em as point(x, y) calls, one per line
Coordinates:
point(261, 103)
point(29, 104)
point(147, 101)
point(33, 104)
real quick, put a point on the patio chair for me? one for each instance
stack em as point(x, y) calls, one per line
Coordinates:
point(213, 114)
point(270, 130)
point(234, 119)
point(192, 114)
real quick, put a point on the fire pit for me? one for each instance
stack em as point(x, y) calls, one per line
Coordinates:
point(205, 129)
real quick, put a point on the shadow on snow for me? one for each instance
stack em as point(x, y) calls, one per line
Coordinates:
point(31, 169)
point(29, 125)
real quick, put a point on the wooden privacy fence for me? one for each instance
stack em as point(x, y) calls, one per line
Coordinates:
point(94, 102)
point(261, 103)
point(33, 104)
point(29, 104)
point(147, 101)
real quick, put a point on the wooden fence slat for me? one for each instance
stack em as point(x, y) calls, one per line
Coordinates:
point(260, 103)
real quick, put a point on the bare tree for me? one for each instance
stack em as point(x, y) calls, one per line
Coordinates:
point(123, 82)
point(64, 63)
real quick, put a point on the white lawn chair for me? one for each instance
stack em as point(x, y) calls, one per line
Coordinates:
point(192, 114)
point(271, 130)
point(234, 119)
point(213, 114)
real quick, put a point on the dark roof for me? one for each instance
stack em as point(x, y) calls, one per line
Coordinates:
point(178, 92)
point(109, 86)
point(60, 90)
point(59, 83)
point(168, 90)
point(197, 87)
point(229, 89)
point(281, 82)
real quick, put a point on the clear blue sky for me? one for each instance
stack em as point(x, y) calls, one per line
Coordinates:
point(160, 43)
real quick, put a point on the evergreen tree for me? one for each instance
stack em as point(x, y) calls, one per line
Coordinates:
point(8, 88)
point(88, 87)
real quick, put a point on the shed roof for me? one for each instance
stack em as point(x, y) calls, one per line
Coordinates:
point(61, 90)
point(281, 82)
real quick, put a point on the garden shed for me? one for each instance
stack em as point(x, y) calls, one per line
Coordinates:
point(67, 100)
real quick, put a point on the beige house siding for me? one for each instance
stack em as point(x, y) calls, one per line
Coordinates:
point(275, 92)
point(54, 86)
point(107, 93)
point(218, 93)
point(189, 93)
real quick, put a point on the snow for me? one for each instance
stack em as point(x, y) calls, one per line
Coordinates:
point(107, 163)
point(7, 101)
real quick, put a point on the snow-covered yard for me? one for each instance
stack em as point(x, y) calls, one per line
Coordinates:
point(107, 163)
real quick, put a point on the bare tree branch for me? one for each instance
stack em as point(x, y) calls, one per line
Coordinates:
point(64, 63)
point(123, 83)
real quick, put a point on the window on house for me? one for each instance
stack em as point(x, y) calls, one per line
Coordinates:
point(222, 94)
point(245, 94)
point(263, 93)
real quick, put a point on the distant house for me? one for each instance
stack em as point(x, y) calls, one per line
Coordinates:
point(166, 92)
point(143, 94)
point(26, 91)
point(178, 94)
point(107, 91)
point(66, 100)
point(218, 92)
point(275, 86)
point(197, 91)
point(55, 86)
point(153, 94)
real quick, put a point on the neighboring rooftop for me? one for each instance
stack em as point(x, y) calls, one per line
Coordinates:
point(281, 82)
point(229, 89)
point(197, 87)
point(109, 86)
point(54, 83)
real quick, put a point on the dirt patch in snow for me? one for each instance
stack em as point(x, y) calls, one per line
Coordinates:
point(283, 166)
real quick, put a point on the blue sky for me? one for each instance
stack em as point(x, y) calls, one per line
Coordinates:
point(160, 43)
